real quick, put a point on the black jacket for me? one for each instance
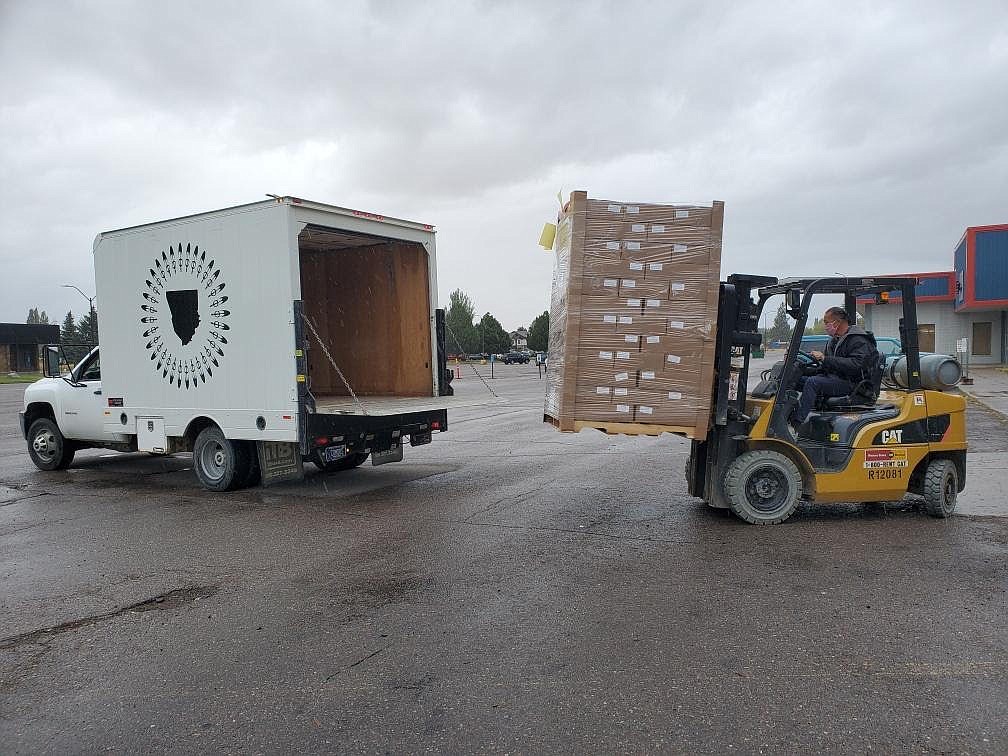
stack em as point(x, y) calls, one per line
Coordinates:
point(850, 356)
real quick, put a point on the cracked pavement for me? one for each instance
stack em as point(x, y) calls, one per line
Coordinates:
point(505, 588)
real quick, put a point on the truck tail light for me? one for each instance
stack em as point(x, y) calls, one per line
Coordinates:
point(321, 441)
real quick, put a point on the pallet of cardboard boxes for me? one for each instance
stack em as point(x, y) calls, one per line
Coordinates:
point(633, 316)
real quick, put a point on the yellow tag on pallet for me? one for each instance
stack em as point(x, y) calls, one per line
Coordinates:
point(548, 236)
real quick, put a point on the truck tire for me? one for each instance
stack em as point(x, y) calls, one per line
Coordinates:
point(220, 464)
point(348, 462)
point(941, 487)
point(763, 487)
point(47, 447)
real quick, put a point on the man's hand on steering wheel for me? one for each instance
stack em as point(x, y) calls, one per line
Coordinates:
point(812, 362)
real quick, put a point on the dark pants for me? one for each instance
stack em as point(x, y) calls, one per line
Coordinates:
point(814, 386)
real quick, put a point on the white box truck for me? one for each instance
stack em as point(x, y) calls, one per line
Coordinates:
point(257, 337)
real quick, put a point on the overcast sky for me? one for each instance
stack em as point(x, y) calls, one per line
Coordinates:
point(843, 137)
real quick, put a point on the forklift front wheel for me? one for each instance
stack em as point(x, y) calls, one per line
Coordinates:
point(763, 487)
point(941, 487)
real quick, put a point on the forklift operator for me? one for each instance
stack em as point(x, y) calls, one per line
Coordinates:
point(840, 369)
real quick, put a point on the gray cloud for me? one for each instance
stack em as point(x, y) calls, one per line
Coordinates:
point(858, 138)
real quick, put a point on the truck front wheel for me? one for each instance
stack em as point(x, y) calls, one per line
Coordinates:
point(220, 464)
point(47, 447)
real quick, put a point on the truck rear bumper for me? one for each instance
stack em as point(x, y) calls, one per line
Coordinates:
point(372, 433)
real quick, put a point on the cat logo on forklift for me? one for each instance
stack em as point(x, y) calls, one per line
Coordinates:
point(892, 436)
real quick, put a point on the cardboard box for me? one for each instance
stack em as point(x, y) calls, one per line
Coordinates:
point(586, 317)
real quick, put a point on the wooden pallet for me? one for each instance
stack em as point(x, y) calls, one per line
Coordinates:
point(626, 429)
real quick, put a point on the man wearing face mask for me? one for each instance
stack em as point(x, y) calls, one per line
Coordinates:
point(845, 363)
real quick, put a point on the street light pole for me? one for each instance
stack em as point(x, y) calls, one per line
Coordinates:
point(91, 309)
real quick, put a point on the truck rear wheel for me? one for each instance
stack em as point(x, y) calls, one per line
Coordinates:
point(941, 487)
point(220, 464)
point(344, 463)
point(763, 487)
point(47, 447)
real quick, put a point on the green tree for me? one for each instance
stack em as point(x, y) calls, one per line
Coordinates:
point(68, 331)
point(43, 318)
point(538, 335)
point(87, 331)
point(461, 333)
point(781, 328)
point(33, 316)
point(817, 327)
point(493, 338)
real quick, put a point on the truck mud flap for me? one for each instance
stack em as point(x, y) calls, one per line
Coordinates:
point(395, 454)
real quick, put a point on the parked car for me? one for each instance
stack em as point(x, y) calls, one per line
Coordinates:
point(515, 357)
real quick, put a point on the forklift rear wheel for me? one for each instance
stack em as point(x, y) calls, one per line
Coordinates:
point(763, 487)
point(941, 487)
point(221, 465)
point(345, 463)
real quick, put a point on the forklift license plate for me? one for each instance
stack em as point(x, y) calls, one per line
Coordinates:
point(333, 453)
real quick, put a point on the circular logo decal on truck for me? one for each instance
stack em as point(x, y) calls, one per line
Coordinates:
point(183, 316)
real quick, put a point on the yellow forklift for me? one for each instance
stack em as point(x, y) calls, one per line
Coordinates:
point(876, 444)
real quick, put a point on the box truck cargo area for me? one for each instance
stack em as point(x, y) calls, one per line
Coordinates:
point(257, 337)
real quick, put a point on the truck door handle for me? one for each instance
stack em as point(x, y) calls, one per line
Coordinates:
point(98, 392)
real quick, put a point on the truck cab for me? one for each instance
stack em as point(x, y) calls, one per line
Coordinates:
point(66, 412)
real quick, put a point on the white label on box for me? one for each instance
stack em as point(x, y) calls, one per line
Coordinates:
point(636, 266)
point(614, 208)
point(646, 410)
point(655, 267)
point(673, 359)
point(622, 376)
point(638, 228)
point(629, 283)
point(678, 286)
point(633, 303)
point(612, 245)
point(632, 245)
point(657, 228)
point(608, 318)
point(622, 355)
point(654, 339)
point(677, 248)
point(654, 303)
point(680, 214)
point(610, 283)
point(623, 408)
point(621, 392)
point(674, 395)
point(677, 324)
point(630, 338)
point(605, 355)
point(632, 210)
point(625, 320)
point(602, 390)
point(647, 375)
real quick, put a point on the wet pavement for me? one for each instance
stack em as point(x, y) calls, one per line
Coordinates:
point(506, 588)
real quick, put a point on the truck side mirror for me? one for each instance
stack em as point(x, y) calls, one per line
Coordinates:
point(793, 302)
point(52, 362)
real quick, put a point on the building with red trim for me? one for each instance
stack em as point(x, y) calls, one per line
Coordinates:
point(969, 302)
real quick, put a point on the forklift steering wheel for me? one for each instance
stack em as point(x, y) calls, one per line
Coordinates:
point(811, 360)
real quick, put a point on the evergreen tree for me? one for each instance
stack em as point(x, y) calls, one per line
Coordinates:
point(461, 336)
point(87, 331)
point(538, 335)
point(33, 316)
point(493, 338)
point(43, 318)
point(68, 331)
point(781, 328)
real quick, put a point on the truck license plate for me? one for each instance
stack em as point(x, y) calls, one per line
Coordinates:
point(333, 453)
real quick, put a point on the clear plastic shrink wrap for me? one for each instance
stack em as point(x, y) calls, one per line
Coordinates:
point(632, 316)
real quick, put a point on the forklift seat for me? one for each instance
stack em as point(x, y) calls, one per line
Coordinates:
point(864, 395)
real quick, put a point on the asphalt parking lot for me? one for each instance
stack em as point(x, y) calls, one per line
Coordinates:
point(505, 588)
